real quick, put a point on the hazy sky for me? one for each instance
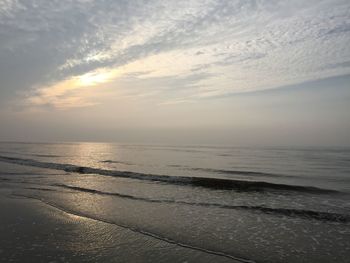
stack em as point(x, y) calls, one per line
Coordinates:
point(208, 71)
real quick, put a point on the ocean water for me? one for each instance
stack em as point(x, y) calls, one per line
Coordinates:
point(244, 204)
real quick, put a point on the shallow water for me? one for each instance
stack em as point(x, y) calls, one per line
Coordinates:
point(259, 205)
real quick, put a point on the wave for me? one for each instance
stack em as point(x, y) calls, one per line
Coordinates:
point(177, 166)
point(226, 171)
point(117, 162)
point(46, 155)
point(213, 183)
point(301, 213)
point(4, 179)
point(236, 172)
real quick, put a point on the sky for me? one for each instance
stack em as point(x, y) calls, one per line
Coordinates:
point(260, 72)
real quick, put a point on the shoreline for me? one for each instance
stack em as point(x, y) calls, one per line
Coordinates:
point(32, 231)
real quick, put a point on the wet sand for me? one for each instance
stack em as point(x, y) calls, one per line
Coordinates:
point(32, 231)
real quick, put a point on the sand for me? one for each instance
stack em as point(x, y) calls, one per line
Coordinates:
point(32, 231)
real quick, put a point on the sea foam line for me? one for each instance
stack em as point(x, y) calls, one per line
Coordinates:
point(302, 213)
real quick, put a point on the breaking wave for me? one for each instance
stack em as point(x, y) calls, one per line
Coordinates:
point(213, 183)
point(301, 213)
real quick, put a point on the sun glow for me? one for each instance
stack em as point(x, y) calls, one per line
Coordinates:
point(68, 93)
point(94, 78)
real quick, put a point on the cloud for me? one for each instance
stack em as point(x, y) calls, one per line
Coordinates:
point(175, 50)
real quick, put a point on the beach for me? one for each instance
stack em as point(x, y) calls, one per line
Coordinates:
point(32, 231)
point(60, 206)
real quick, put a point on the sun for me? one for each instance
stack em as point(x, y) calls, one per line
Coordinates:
point(94, 78)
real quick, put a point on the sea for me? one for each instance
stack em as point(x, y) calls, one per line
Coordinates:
point(248, 204)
